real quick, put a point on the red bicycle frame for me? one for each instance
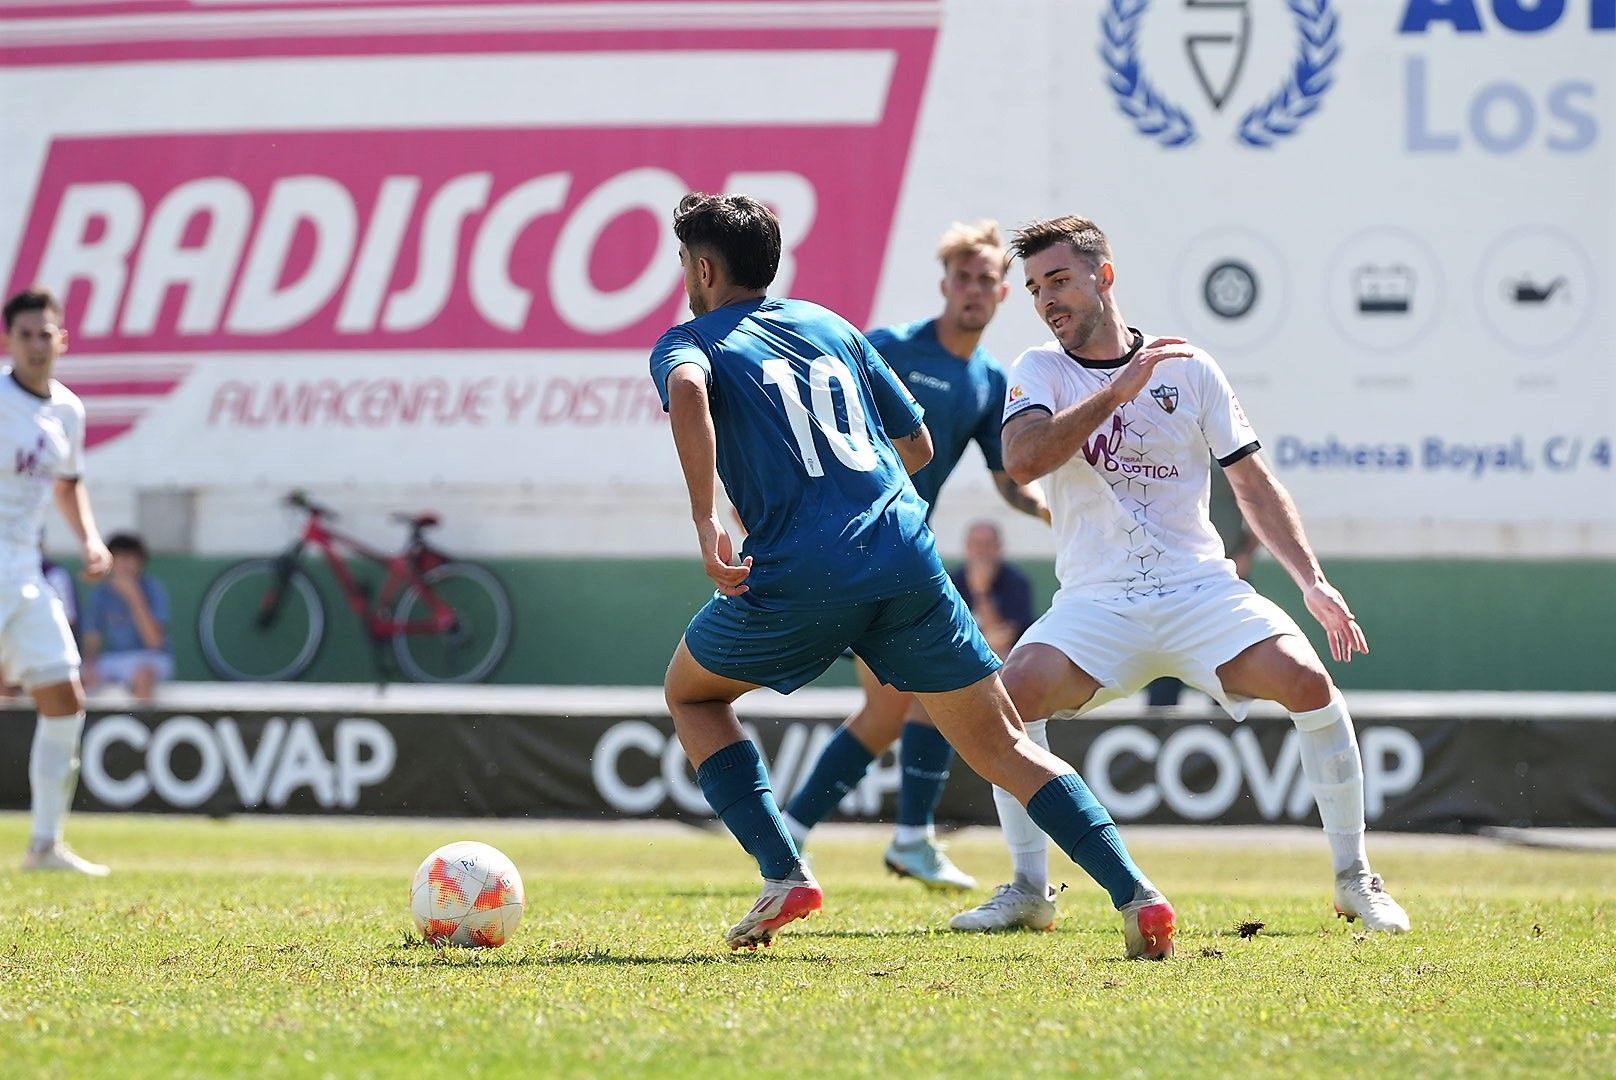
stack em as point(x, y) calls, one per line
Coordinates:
point(404, 569)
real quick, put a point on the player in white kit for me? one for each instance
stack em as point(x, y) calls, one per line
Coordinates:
point(1118, 430)
point(42, 442)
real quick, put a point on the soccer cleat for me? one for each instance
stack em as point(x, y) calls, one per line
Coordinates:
point(1011, 907)
point(1148, 926)
point(926, 862)
point(782, 902)
point(1362, 895)
point(59, 856)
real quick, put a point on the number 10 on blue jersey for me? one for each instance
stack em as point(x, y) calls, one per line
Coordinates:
point(854, 447)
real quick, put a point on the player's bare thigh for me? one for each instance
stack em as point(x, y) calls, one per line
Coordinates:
point(981, 723)
point(1283, 668)
point(880, 720)
point(699, 701)
point(1043, 681)
point(59, 699)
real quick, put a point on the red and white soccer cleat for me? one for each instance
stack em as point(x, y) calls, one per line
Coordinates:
point(1148, 927)
point(782, 902)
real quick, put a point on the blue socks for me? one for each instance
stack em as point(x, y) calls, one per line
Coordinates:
point(1067, 810)
point(925, 757)
point(737, 788)
point(840, 767)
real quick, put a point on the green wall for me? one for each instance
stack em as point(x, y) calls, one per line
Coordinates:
point(1432, 625)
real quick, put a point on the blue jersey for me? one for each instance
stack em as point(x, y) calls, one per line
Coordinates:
point(963, 399)
point(805, 411)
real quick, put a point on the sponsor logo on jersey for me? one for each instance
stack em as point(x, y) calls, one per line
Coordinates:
point(1102, 453)
point(33, 462)
point(1104, 445)
point(920, 378)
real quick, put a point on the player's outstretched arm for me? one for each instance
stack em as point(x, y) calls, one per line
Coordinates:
point(697, 444)
point(1272, 515)
point(73, 500)
point(1036, 443)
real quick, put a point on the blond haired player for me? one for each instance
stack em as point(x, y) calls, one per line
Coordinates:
point(1118, 430)
point(961, 388)
point(42, 438)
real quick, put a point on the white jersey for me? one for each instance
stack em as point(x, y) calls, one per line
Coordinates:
point(1130, 508)
point(41, 439)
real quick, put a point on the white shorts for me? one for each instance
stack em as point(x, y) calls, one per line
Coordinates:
point(121, 667)
point(36, 644)
point(1187, 633)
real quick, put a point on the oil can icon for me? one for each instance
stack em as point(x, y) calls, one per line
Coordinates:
point(1523, 290)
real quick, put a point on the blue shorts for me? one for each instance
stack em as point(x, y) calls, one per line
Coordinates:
point(924, 642)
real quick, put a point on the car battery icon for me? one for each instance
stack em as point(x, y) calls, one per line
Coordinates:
point(1383, 290)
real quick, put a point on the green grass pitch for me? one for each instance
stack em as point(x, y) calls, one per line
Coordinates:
point(269, 948)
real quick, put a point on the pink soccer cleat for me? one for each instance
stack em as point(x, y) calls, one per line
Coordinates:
point(782, 902)
point(1148, 926)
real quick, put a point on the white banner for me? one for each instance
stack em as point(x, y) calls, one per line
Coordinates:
point(407, 249)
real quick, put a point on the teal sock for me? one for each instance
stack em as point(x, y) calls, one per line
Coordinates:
point(737, 788)
point(1067, 810)
point(841, 765)
point(925, 757)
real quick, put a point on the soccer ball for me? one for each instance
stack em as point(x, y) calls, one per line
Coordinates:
point(467, 893)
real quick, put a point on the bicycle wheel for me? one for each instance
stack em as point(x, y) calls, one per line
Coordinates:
point(261, 621)
point(479, 639)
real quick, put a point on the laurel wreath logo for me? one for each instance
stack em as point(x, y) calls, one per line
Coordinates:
point(1152, 114)
point(1278, 117)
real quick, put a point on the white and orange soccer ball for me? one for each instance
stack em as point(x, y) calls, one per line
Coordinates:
point(467, 893)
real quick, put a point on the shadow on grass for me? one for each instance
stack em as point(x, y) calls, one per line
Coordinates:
point(464, 958)
point(916, 932)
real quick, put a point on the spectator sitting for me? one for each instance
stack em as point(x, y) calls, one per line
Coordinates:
point(126, 624)
point(999, 595)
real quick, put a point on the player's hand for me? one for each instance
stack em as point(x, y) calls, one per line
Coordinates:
point(1340, 624)
point(718, 558)
point(1130, 381)
point(97, 560)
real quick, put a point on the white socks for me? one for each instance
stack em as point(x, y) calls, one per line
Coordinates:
point(53, 774)
point(1029, 847)
point(913, 834)
point(1334, 771)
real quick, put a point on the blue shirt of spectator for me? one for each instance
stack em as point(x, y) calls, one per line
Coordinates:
point(108, 614)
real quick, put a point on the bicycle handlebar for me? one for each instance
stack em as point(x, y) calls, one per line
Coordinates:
point(301, 501)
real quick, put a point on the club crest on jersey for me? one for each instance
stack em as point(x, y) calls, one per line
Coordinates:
point(1166, 396)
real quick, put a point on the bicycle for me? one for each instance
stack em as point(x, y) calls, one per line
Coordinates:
point(447, 620)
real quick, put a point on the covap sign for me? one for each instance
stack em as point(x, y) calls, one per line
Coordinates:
point(1178, 772)
point(187, 763)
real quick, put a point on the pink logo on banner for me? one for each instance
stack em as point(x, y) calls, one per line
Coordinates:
point(168, 246)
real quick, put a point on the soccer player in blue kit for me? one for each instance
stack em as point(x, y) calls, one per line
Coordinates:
point(813, 437)
point(961, 387)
